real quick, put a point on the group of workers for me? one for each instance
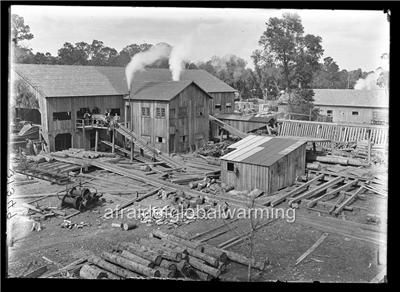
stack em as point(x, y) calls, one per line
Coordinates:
point(108, 119)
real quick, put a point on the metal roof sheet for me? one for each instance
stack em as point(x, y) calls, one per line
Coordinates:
point(262, 151)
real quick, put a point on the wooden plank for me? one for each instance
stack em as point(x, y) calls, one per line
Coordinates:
point(317, 190)
point(335, 191)
point(36, 273)
point(379, 277)
point(348, 200)
point(311, 249)
point(294, 191)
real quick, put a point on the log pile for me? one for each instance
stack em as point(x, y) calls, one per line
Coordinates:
point(163, 255)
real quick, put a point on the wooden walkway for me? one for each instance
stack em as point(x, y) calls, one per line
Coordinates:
point(335, 132)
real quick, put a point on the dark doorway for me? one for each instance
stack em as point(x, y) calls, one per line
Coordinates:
point(172, 143)
point(63, 141)
point(92, 138)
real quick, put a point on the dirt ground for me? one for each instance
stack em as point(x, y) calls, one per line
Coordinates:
point(337, 259)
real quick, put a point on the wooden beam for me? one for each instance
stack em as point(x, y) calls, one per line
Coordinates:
point(335, 191)
point(311, 249)
point(317, 190)
point(96, 140)
point(348, 200)
point(113, 141)
point(295, 191)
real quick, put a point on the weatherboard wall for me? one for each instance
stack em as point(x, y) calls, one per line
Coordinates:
point(271, 178)
point(174, 126)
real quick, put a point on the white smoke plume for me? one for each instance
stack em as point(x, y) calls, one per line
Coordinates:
point(371, 81)
point(142, 59)
point(368, 83)
point(179, 54)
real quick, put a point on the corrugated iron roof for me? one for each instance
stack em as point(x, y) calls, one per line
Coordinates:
point(247, 118)
point(262, 150)
point(161, 90)
point(73, 80)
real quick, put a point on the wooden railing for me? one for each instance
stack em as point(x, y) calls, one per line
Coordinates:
point(335, 132)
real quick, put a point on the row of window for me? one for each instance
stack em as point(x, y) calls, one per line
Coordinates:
point(160, 112)
point(330, 113)
point(218, 106)
point(65, 116)
point(182, 139)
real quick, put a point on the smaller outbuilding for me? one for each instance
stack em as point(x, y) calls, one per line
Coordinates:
point(265, 163)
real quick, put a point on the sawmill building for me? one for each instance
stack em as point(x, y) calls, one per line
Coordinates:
point(266, 163)
point(66, 92)
point(171, 115)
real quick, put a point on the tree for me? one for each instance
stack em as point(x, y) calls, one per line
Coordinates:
point(77, 54)
point(295, 55)
point(19, 30)
point(232, 70)
point(23, 95)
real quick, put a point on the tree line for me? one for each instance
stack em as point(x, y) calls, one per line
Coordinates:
point(286, 60)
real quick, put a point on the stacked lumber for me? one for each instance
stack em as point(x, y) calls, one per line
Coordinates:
point(215, 149)
point(81, 153)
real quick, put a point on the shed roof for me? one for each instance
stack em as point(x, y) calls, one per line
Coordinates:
point(204, 79)
point(247, 118)
point(351, 97)
point(71, 80)
point(262, 150)
point(164, 91)
point(74, 80)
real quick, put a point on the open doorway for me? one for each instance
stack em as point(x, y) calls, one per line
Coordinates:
point(62, 141)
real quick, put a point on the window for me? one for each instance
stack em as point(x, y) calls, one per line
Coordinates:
point(354, 113)
point(183, 139)
point(182, 111)
point(61, 116)
point(199, 110)
point(145, 112)
point(115, 111)
point(160, 112)
point(81, 112)
point(228, 105)
point(160, 140)
point(218, 106)
point(329, 113)
point(230, 166)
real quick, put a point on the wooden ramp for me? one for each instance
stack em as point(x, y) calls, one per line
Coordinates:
point(147, 148)
point(227, 127)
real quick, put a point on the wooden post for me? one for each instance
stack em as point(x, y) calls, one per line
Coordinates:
point(83, 135)
point(96, 141)
point(132, 149)
point(113, 141)
point(369, 146)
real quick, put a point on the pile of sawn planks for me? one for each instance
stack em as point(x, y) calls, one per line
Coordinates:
point(162, 255)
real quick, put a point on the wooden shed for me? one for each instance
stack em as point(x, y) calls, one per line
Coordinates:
point(172, 116)
point(265, 163)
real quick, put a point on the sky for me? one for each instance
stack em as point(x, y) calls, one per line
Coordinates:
point(354, 39)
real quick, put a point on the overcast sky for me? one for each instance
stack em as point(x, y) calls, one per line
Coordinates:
point(354, 39)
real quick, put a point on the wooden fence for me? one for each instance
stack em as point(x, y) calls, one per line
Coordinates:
point(335, 132)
